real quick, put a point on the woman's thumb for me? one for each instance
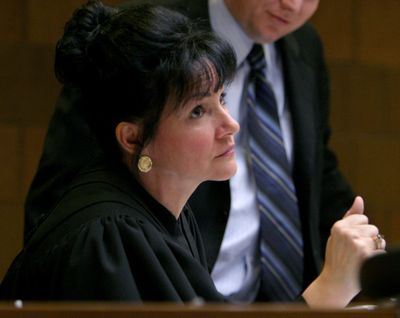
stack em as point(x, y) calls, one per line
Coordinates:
point(357, 207)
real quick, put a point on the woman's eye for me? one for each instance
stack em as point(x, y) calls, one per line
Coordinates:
point(222, 98)
point(197, 112)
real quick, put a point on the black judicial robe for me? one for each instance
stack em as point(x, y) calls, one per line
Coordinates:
point(108, 239)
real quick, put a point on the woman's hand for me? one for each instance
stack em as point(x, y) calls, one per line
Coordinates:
point(352, 240)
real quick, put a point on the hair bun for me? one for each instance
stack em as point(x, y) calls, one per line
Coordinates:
point(72, 65)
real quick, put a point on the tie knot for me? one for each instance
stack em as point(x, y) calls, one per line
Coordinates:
point(256, 58)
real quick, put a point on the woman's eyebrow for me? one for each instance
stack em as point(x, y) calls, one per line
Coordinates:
point(200, 95)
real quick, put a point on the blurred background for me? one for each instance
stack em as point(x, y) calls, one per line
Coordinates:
point(362, 47)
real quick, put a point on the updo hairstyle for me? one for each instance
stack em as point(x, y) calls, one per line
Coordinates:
point(129, 63)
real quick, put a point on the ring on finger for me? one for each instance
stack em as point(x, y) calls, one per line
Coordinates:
point(379, 239)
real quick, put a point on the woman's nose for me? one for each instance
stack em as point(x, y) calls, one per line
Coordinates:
point(230, 125)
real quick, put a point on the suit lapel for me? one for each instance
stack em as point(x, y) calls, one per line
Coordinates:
point(301, 96)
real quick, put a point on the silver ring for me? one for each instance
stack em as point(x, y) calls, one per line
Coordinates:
point(379, 241)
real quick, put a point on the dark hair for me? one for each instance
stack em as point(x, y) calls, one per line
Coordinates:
point(130, 62)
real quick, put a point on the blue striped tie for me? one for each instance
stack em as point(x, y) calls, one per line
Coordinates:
point(281, 239)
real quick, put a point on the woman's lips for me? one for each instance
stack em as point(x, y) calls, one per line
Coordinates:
point(228, 152)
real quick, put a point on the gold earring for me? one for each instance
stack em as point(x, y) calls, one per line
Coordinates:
point(145, 164)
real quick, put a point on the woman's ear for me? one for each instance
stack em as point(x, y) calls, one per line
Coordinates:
point(127, 135)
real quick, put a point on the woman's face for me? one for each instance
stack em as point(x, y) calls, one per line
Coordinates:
point(196, 142)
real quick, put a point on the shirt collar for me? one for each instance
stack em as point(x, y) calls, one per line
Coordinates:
point(225, 25)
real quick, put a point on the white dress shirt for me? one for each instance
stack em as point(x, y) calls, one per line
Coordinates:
point(237, 271)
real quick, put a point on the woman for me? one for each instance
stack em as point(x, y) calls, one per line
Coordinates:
point(152, 86)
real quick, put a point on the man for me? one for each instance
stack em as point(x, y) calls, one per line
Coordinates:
point(297, 73)
point(228, 213)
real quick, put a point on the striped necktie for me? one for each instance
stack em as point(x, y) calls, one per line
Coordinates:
point(281, 239)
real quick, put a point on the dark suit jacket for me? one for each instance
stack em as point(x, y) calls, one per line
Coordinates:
point(322, 192)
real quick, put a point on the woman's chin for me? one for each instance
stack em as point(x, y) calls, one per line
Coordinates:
point(226, 173)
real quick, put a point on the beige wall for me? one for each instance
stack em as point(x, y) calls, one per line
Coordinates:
point(362, 47)
point(362, 42)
